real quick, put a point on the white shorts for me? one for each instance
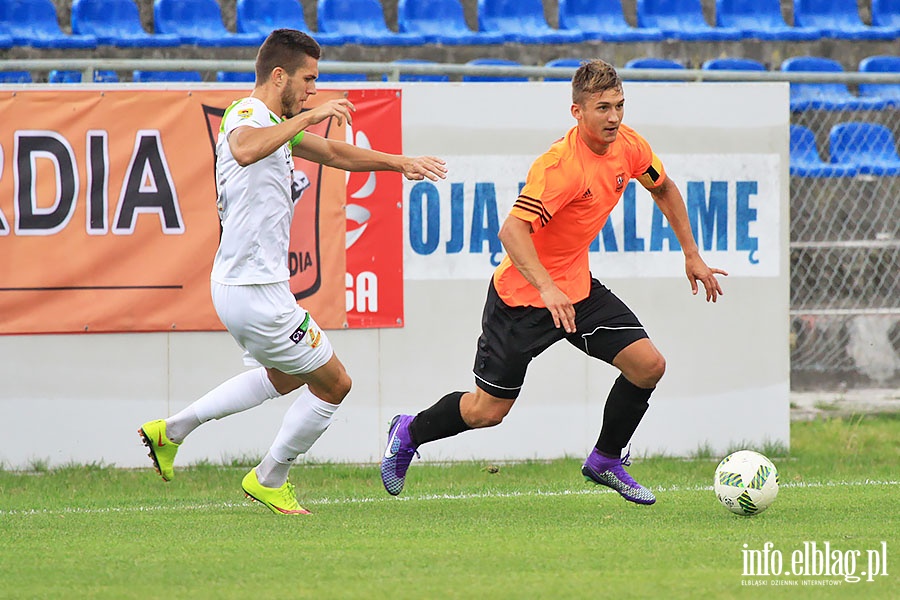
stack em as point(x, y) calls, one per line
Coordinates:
point(271, 327)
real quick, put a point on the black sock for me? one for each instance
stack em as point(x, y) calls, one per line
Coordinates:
point(442, 420)
point(625, 407)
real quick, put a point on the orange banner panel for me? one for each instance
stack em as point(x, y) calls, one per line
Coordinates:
point(108, 220)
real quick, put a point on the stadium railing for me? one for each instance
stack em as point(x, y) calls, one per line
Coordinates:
point(393, 70)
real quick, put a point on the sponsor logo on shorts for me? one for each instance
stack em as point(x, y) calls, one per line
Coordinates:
point(300, 332)
point(315, 338)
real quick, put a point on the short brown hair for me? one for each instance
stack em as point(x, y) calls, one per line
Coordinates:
point(592, 77)
point(285, 48)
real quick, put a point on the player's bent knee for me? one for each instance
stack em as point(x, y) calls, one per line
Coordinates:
point(657, 369)
point(485, 420)
point(647, 373)
point(283, 383)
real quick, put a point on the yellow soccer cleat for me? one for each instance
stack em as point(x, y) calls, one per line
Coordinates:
point(162, 449)
point(280, 501)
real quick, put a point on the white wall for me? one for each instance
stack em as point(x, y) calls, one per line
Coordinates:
point(82, 397)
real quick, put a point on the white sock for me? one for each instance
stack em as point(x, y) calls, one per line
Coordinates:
point(249, 389)
point(305, 421)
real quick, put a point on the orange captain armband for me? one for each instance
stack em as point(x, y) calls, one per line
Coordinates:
point(654, 175)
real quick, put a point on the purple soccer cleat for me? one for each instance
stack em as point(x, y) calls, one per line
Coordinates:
point(397, 455)
point(610, 472)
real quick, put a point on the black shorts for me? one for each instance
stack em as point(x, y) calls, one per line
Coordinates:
point(513, 335)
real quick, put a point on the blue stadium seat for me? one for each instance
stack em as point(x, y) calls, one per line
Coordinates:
point(116, 23)
point(652, 63)
point(603, 20)
point(522, 21)
point(869, 146)
point(733, 64)
point(199, 22)
point(58, 76)
point(235, 77)
point(805, 160)
point(141, 76)
point(105, 76)
point(34, 23)
point(838, 19)
point(337, 77)
point(261, 17)
point(6, 41)
point(499, 62)
point(412, 77)
point(886, 13)
point(441, 22)
point(363, 22)
point(682, 20)
point(888, 92)
point(762, 20)
point(564, 62)
point(100, 76)
point(15, 77)
point(824, 96)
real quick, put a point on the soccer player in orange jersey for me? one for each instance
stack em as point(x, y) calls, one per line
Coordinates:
point(543, 291)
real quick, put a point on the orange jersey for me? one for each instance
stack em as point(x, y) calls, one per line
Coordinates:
point(567, 198)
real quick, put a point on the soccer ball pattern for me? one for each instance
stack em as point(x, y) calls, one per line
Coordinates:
point(746, 482)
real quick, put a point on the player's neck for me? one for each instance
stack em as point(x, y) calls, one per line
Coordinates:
point(598, 147)
point(268, 96)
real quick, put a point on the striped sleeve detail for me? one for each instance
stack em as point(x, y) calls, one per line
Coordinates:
point(535, 207)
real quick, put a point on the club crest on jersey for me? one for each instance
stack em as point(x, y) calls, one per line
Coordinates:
point(620, 182)
point(245, 113)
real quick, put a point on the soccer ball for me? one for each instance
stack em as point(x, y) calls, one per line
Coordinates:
point(746, 482)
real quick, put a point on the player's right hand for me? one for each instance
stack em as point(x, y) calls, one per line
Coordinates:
point(560, 307)
point(339, 108)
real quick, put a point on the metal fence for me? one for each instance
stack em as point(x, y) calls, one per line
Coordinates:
point(845, 265)
point(844, 232)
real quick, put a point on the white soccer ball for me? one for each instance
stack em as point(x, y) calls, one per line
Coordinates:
point(746, 482)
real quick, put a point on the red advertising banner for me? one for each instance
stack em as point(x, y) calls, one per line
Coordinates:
point(108, 220)
point(375, 217)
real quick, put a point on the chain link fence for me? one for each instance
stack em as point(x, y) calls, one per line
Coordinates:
point(845, 266)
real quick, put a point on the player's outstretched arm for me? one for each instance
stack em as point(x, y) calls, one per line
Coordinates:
point(670, 202)
point(348, 157)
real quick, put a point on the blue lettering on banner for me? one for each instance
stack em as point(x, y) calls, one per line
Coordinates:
point(745, 215)
point(424, 222)
point(457, 206)
point(708, 215)
point(485, 223)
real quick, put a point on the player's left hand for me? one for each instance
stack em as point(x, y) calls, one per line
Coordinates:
point(697, 270)
point(417, 169)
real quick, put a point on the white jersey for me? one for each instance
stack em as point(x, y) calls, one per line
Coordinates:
point(254, 204)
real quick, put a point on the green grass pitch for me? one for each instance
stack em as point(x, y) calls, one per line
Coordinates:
point(530, 530)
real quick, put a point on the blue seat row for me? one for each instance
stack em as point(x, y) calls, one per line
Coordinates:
point(806, 96)
point(199, 22)
point(854, 149)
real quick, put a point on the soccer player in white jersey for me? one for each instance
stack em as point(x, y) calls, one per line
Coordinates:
point(250, 288)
